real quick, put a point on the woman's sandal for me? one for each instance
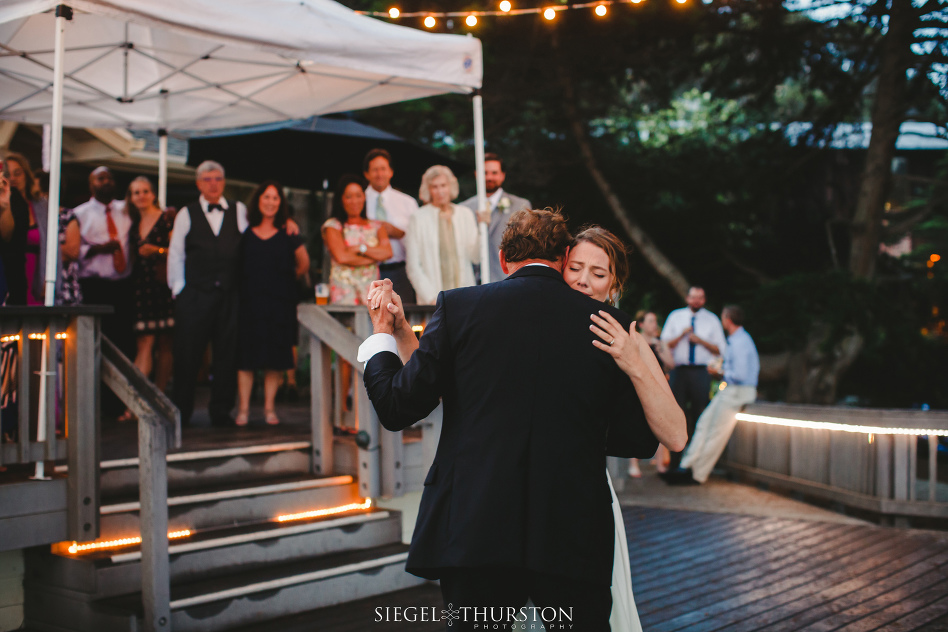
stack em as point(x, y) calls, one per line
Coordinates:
point(243, 418)
point(272, 418)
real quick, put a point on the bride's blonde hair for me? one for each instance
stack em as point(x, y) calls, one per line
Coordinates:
point(617, 252)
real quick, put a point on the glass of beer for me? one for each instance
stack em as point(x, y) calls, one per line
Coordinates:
point(322, 294)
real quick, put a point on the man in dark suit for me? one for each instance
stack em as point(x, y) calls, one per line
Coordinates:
point(516, 504)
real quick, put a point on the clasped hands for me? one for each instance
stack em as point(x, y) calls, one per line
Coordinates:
point(385, 308)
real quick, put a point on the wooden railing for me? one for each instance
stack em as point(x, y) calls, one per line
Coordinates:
point(88, 358)
point(866, 459)
point(381, 459)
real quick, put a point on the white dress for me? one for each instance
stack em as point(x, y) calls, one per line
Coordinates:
point(624, 618)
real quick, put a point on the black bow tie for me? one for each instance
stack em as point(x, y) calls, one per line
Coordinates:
point(214, 207)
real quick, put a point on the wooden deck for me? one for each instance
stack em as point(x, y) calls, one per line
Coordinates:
point(701, 572)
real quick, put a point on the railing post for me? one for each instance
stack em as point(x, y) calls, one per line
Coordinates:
point(52, 370)
point(23, 393)
point(321, 389)
point(368, 421)
point(883, 466)
point(932, 468)
point(82, 415)
point(153, 512)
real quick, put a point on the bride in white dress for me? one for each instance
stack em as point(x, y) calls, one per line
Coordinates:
point(597, 266)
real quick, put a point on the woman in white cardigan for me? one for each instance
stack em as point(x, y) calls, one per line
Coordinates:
point(441, 242)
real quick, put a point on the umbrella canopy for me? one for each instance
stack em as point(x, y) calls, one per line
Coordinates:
point(206, 64)
point(304, 153)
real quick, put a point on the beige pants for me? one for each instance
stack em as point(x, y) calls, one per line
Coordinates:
point(714, 428)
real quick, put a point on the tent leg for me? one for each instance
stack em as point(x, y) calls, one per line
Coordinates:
point(162, 168)
point(481, 185)
point(63, 13)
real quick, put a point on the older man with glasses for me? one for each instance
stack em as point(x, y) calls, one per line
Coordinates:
point(202, 270)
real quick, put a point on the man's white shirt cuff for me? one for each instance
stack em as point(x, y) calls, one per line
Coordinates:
point(376, 343)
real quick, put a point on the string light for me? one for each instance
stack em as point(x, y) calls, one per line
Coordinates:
point(430, 22)
point(934, 258)
point(13, 338)
point(600, 7)
point(827, 425)
point(75, 547)
point(319, 513)
point(471, 20)
point(417, 328)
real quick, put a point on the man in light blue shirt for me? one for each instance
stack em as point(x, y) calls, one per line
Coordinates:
point(715, 425)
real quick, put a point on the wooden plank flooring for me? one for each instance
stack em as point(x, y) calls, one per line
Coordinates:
point(704, 572)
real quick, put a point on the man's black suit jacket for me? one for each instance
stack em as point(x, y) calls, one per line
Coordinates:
point(519, 478)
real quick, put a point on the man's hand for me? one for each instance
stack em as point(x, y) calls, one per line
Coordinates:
point(484, 216)
point(374, 300)
point(107, 248)
point(383, 320)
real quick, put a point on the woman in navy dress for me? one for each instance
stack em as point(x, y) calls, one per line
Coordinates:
point(270, 262)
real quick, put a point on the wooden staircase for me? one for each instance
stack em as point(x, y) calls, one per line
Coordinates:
point(239, 565)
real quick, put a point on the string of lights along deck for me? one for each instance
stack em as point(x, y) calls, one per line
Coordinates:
point(430, 18)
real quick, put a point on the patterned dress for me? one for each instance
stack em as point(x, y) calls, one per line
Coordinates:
point(154, 307)
point(348, 285)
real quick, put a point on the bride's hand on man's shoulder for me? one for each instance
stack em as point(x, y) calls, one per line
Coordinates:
point(625, 347)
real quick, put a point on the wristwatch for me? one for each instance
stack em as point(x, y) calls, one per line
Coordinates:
point(363, 249)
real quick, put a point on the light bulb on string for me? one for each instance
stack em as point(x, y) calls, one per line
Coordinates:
point(681, 1)
point(549, 14)
point(430, 22)
point(505, 6)
point(601, 10)
point(393, 13)
point(471, 20)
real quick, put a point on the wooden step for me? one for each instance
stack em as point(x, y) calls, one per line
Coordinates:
point(233, 504)
point(102, 574)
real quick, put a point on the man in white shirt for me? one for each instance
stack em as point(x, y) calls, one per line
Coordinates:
point(696, 338)
point(105, 258)
point(502, 206)
point(394, 209)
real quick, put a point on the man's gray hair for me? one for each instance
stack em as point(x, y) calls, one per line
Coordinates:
point(433, 172)
point(207, 166)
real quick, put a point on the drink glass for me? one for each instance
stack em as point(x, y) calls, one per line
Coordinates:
point(322, 294)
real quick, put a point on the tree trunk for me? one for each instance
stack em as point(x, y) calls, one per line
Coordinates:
point(649, 250)
point(888, 112)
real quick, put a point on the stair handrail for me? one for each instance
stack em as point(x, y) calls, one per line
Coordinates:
point(381, 458)
point(159, 423)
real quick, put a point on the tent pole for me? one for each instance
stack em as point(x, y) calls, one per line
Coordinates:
point(162, 168)
point(481, 185)
point(63, 13)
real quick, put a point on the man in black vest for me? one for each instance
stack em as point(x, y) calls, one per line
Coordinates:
point(516, 504)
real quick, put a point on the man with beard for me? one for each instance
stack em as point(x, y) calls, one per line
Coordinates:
point(502, 207)
point(105, 258)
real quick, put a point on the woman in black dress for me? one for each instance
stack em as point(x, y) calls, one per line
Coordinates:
point(154, 307)
point(270, 262)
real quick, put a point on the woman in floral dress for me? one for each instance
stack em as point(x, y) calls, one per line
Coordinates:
point(357, 244)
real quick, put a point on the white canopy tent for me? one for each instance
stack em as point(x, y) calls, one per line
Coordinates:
point(205, 64)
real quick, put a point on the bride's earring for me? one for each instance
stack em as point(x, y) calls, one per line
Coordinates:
point(614, 299)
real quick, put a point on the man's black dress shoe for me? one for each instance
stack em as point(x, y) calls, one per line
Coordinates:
point(679, 476)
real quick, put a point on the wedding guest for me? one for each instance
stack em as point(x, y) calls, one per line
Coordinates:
point(741, 370)
point(101, 234)
point(648, 327)
point(442, 240)
point(154, 307)
point(270, 262)
point(502, 206)
point(202, 274)
point(395, 210)
point(356, 244)
point(35, 222)
point(695, 337)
